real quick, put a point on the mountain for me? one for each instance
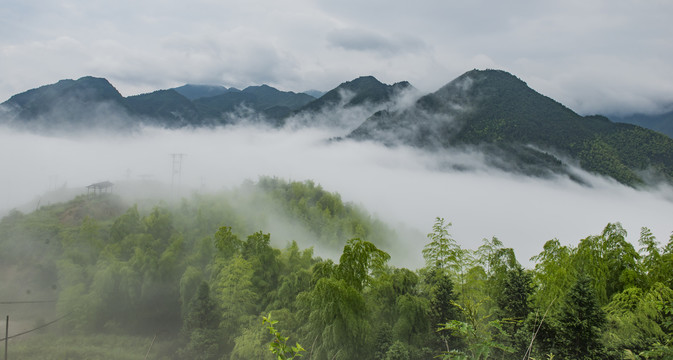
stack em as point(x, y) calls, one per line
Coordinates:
point(251, 101)
point(268, 97)
point(492, 111)
point(363, 90)
point(90, 103)
point(521, 130)
point(662, 123)
point(68, 104)
point(193, 92)
point(315, 93)
point(166, 108)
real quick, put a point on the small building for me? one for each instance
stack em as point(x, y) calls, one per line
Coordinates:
point(99, 188)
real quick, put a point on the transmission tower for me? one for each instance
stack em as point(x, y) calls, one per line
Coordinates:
point(176, 174)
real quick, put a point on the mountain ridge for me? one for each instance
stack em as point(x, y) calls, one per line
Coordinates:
point(499, 113)
point(493, 111)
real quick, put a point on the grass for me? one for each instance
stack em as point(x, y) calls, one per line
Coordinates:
point(84, 347)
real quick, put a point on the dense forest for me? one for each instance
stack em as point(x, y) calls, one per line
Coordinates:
point(201, 278)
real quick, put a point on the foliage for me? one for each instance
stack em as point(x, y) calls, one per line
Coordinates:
point(521, 130)
point(324, 213)
point(199, 274)
point(442, 251)
point(480, 343)
point(581, 323)
point(279, 346)
point(201, 325)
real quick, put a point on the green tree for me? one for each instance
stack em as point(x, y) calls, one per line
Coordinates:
point(358, 260)
point(553, 275)
point(609, 260)
point(227, 243)
point(265, 264)
point(581, 322)
point(442, 307)
point(334, 312)
point(480, 343)
point(234, 289)
point(513, 300)
point(639, 320)
point(336, 323)
point(126, 224)
point(201, 326)
point(397, 351)
point(442, 251)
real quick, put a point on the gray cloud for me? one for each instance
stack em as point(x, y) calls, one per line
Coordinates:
point(363, 40)
point(399, 185)
point(599, 56)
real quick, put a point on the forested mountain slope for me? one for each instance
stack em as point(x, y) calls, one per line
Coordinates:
point(93, 103)
point(521, 129)
point(662, 123)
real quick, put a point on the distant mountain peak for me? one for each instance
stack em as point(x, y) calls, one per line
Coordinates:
point(359, 91)
point(518, 128)
point(193, 92)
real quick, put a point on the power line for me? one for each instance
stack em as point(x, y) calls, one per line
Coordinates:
point(27, 302)
point(37, 328)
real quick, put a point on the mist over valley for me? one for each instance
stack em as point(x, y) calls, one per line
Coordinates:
point(187, 214)
point(336, 180)
point(428, 160)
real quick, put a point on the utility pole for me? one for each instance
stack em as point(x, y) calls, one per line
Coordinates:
point(6, 335)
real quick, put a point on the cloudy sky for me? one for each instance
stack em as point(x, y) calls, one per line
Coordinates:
point(593, 56)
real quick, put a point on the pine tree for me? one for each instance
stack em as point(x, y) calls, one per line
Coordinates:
point(581, 323)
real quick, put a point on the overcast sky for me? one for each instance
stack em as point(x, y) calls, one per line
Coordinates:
point(593, 56)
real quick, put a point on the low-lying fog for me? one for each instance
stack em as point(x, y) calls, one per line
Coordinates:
point(400, 186)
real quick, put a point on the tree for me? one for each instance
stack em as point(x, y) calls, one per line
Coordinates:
point(639, 320)
point(203, 312)
point(479, 343)
point(358, 260)
point(335, 320)
point(442, 307)
point(264, 261)
point(234, 289)
point(610, 260)
point(334, 311)
point(553, 275)
point(227, 243)
point(444, 254)
point(397, 351)
point(650, 252)
point(513, 300)
point(201, 326)
point(126, 224)
point(412, 320)
point(581, 322)
point(442, 251)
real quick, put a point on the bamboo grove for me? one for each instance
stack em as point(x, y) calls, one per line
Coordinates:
point(199, 278)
